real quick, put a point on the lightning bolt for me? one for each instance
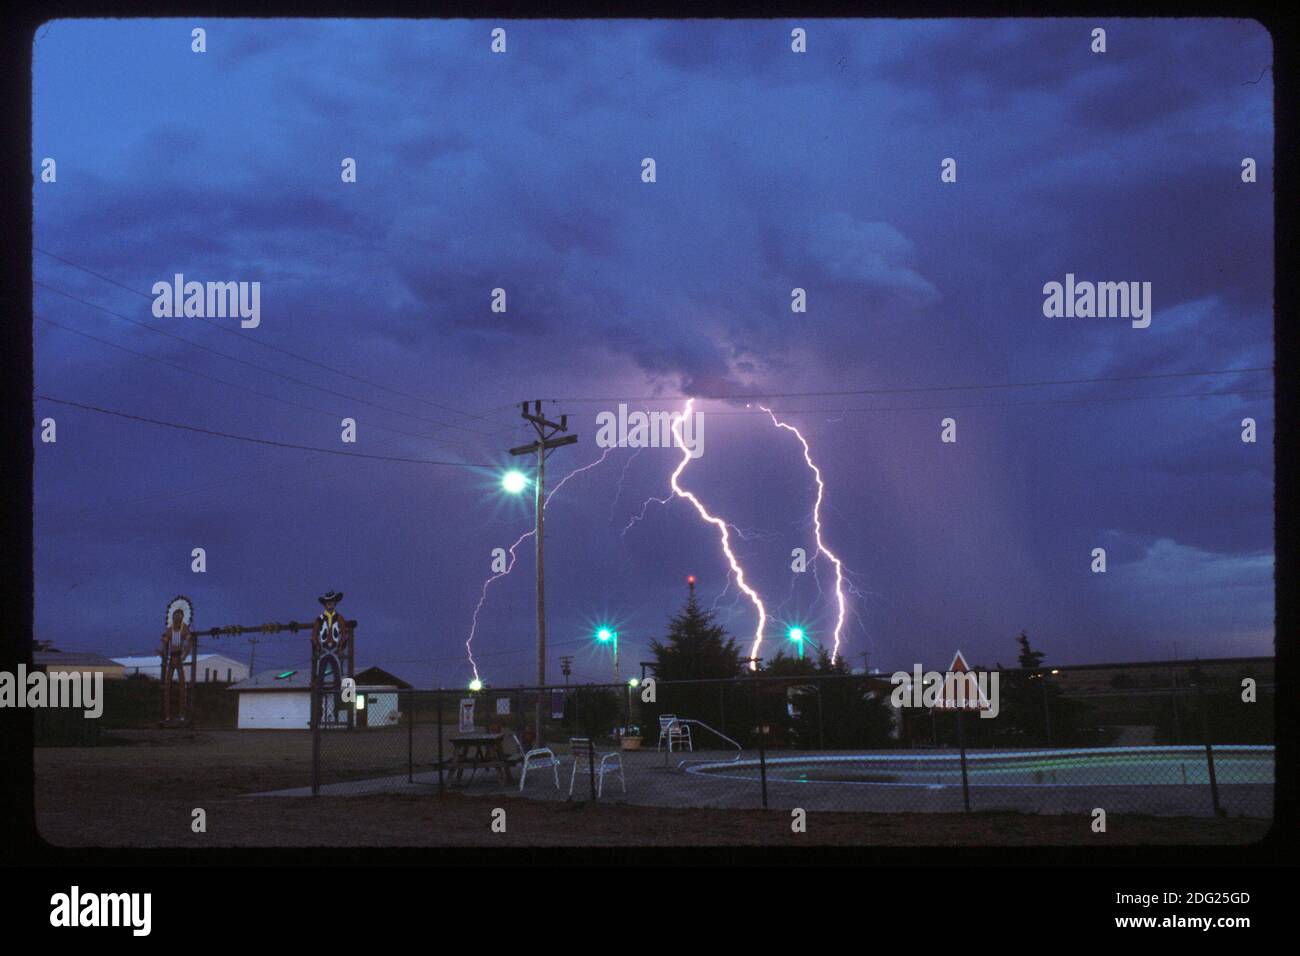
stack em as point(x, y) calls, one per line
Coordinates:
point(618, 492)
point(473, 627)
point(721, 594)
point(724, 533)
point(637, 517)
point(817, 528)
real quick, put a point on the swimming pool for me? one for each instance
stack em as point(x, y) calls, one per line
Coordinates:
point(1088, 767)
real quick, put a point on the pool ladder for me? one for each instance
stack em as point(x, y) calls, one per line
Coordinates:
point(712, 730)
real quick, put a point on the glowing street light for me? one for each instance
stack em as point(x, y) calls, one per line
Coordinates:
point(796, 634)
point(606, 636)
point(514, 482)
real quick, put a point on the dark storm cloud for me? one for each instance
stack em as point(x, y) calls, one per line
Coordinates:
point(984, 62)
point(775, 171)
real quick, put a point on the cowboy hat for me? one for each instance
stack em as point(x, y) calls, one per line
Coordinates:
point(334, 596)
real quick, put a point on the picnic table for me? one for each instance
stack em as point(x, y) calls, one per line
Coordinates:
point(470, 751)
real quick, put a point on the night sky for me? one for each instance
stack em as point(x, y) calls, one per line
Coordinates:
point(775, 171)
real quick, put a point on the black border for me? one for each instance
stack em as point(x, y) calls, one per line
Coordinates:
point(19, 840)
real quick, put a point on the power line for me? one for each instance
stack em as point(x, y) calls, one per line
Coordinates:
point(246, 388)
point(113, 506)
point(461, 658)
point(1052, 401)
point(257, 441)
point(268, 345)
point(922, 388)
point(658, 398)
point(260, 368)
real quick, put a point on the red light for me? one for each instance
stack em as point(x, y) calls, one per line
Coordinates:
point(690, 579)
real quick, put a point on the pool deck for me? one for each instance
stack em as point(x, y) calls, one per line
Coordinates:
point(653, 781)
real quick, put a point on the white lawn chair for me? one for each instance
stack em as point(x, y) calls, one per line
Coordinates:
point(606, 762)
point(672, 729)
point(537, 758)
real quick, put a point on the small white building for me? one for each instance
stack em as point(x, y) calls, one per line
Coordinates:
point(281, 700)
point(60, 662)
point(211, 667)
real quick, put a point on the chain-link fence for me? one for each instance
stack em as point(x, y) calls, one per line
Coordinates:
point(1189, 741)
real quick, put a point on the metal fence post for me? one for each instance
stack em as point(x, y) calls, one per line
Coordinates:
point(410, 738)
point(315, 742)
point(1214, 782)
point(591, 765)
point(668, 742)
point(1209, 750)
point(1178, 723)
point(1047, 711)
point(519, 715)
point(761, 733)
point(438, 696)
point(821, 732)
point(961, 742)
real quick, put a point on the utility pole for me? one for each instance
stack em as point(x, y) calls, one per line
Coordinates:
point(565, 668)
point(252, 655)
point(604, 635)
point(546, 440)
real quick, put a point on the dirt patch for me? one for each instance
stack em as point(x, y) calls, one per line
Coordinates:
point(143, 795)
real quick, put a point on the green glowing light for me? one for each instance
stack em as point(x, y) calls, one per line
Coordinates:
point(513, 482)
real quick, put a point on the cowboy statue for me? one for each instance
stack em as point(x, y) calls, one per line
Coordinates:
point(176, 648)
point(329, 638)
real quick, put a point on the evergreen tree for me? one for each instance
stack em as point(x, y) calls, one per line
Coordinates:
point(839, 712)
point(1033, 709)
point(1029, 659)
point(792, 666)
point(697, 647)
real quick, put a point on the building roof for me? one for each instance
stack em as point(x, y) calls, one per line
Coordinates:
point(153, 660)
point(296, 678)
point(377, 675)
point(71, 659)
